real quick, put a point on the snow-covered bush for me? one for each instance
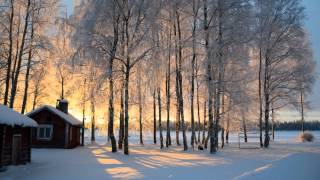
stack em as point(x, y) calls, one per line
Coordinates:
point(306, 136)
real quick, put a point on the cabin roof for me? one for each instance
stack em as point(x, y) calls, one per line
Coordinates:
point(66, 117)
point(11, 118)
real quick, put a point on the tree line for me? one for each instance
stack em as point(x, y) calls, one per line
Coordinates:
point(296, 126)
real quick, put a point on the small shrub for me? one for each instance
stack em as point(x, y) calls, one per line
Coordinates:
point(306, 137)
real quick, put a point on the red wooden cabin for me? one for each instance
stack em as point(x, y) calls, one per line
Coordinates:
point(57, 128)
point(15, 137)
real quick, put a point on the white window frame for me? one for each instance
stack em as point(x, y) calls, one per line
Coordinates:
point(44, 126)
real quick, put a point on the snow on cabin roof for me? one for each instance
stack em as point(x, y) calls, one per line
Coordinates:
point(66, 117)
point(11, 118)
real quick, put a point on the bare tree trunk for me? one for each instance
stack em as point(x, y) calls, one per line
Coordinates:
point(168, 137)
point(204, 122)
point(222, 137)
point(17, 51)
point(15, 60)
point(267, 102)
point(193, 62)
point(266, 116)
point(154, 117)
point(21, 50)
point(209, 80)
point(181, 110)
point(198, 111)
point(160, 125)
point(83, 111)
point(140, 107)
point(244, 125)
point(9, 62)
point(228, 122)
point(302, 109)
point(207, 138)
point(272, 117)
point(93, 138)
point(223, 118)
point(177, 88)
point(35, 97)
point(220, 75)
point(196, 10)
point(260, 97)
point(111, 114)
point(26, 82)
point(127, 19)
point(111, 94)
point(127, 80)
point(177, 123)
point(112, 54)
point(140, 125)
point(121, 118)
point(193, 134)
point(126, 107)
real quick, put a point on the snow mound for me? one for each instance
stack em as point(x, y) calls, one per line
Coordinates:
point(12, 118)
point(306, 137)
point(66, 117)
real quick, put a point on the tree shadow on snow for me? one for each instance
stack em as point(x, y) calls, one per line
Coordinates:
point(147, 161)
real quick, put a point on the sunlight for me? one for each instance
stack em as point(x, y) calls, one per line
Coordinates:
point(116, 172)
point(98, 151)
point(108, 161)
point(124, 173)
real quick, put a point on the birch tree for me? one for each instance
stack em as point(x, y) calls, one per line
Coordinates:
point(195, 10)
point(280, 23)
point(133, 15)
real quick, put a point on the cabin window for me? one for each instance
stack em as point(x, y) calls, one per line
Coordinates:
point(44, 132)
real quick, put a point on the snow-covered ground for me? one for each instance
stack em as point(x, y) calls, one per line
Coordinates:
point(285, 159)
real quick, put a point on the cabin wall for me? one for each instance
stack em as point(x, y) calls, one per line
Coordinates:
point(58, 134)
point(24, 151)
point(75, 134)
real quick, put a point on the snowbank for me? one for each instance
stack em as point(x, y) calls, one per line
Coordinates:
point(11, 118)
point(306, 137)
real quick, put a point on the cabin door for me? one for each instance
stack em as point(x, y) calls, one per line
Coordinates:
point(16, 148)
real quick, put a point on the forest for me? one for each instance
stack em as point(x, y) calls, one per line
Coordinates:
point(204, 66)
point(296, 125)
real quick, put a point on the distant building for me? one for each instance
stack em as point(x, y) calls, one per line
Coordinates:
point(15, 137)
point(57, 128)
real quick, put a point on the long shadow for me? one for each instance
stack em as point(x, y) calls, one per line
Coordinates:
point(143, 161)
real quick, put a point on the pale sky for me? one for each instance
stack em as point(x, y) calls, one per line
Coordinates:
point(312, 25)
